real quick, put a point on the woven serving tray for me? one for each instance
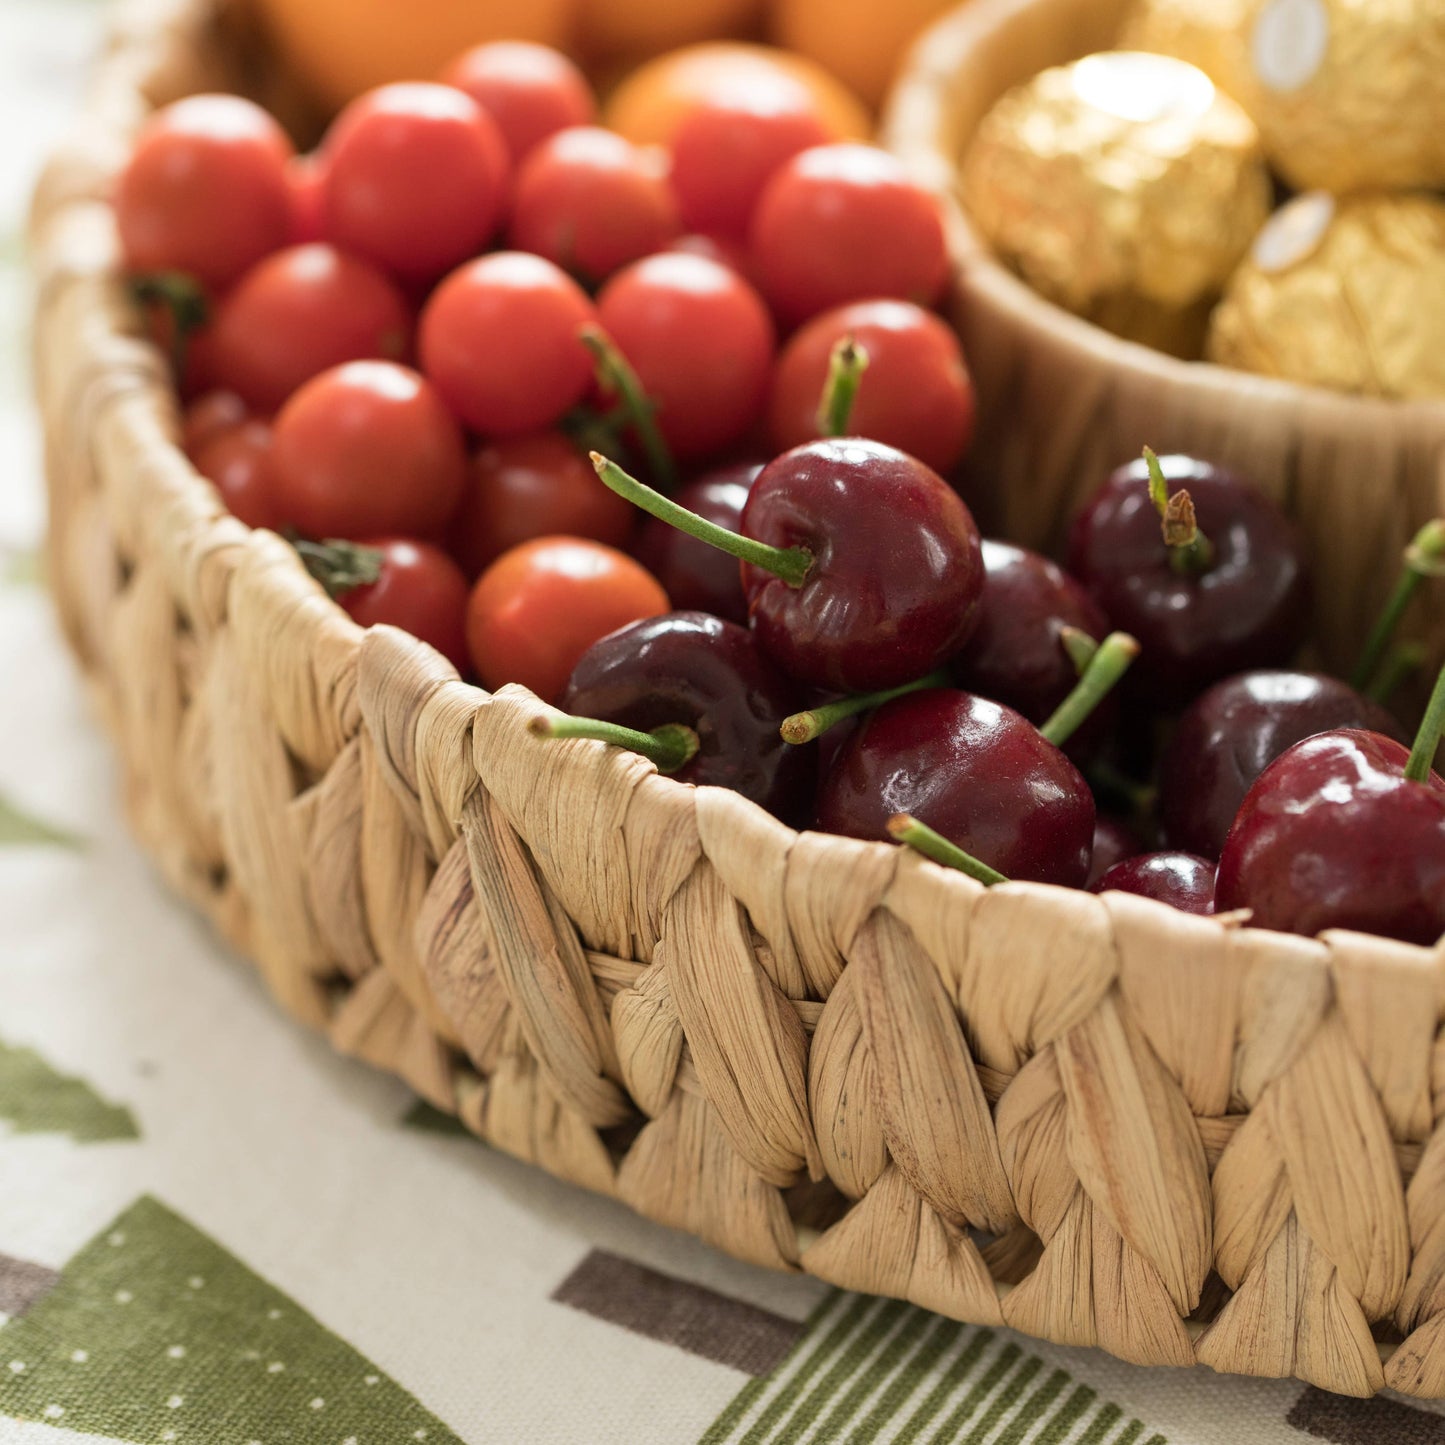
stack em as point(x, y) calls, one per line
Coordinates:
point(1097, 1119)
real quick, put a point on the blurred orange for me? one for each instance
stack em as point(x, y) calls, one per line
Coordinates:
point(343, 47)
point(650, 104)
point(860, 41)
point(638, 29)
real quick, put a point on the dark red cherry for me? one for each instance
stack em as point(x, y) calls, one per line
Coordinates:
point(703, 673)
point(1333, 834)
point(1183, 880)
point(976, 771)
point(1238, 600)
point(1231, 733)
point(694, 575)
point(1114, 841)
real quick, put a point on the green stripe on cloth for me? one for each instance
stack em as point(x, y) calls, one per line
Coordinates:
point(885, 1367)
point(1034, 1408)
point(913, 1371)
point(38, 1099)
point(1067, 1417)
point(1002, 1403)
point(938, 1397)
point(1104, 1421)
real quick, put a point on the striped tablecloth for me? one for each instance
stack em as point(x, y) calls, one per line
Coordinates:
point(213, 1230)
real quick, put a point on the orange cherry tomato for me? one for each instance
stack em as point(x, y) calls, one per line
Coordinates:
point(539, 607)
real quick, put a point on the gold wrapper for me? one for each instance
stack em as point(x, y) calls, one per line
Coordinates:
point(1347, 94)
point(1346, 293)
point(1125, 187)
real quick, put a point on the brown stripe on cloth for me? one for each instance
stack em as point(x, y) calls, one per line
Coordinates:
point(1344, 1421)
point(677, 1312)
point(22, 1284)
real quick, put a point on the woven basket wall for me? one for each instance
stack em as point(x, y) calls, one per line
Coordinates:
point(1099, 1120)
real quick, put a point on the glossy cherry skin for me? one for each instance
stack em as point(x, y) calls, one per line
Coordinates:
point(709, 675)
point(694, 575)
point(1015, 654)
point(1333, 835)
point(977, 772)
point(897, 571)
point(1114, 841)
point(1183, 880)
point(1231, 733)
point(1250, 609)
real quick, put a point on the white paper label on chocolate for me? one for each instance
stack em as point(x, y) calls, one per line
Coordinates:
point(1293, 232)
point(1289, 43)
point(1140, 87)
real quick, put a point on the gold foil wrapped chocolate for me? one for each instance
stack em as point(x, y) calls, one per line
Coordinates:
point(1125, 187)
point(1347, 94)
point(1346, 293)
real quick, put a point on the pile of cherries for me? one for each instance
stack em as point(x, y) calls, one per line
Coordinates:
point(464, 442)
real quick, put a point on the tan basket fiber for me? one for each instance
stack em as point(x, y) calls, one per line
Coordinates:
point(1061, 402)
point(815, 1053)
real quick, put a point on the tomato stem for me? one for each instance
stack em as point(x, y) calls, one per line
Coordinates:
point(668, 748)
point(1109, 663)
point(1427, 740)
point(791, 564)
point(1424, 557)
point(906, 829)
point(183, 298)
point(1190, 551)
point(846, 364)
point(807, 727)
point(615, 375)
point(340, 567)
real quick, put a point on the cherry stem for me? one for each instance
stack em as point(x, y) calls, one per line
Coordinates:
point(846, 364)
point(1424, 557)
point(1427, 740)
point(183, 297)
point(615, 375)
point(1401, 663)
point(1109, 663)
point(1080, 646)
point(340, 567)
point(1190, 551)
point(906, 829)
point(807, 727)
point(792, 564)
point(670, 747)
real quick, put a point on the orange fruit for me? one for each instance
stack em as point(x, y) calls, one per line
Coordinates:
point(641, 28)
point(860, 41)
point(343, 47)
point(653, 101)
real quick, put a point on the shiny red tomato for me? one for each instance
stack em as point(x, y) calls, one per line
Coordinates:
point(844, 223)
point(591, 201)
point(239, 461)
point(534, 486)
point(420, 590)
point(210, 415)
point(531, 91)
point(368, 449)
point(539, 607)
point(498, 339)
point(701, 341)
point(299, 313)
point(915, 393)
point(205, 190)
point(416, 178)
point(306, 178)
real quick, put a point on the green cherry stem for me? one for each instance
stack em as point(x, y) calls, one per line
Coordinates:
point(906, 829)
point(1424, 557)
point(1109, 663)
point(1427, 740)
point(792, 564)
point(670, 747)
point(1080, 647)
point(340, 567)
point(615, 375)
point(1190, 551)
point(807, 727)
point(846, 364)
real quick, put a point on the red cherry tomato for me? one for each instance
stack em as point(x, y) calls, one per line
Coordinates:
point(539, 607)
point(844, 223)
point(299, 313)
point(421, 590)
point(499, 341)
point(210, 415)
point(368, 449)
point(725, 250)
point(531, 91)
point(240, 463)
point(205, 190)
point(725, 151)
point(915, 393)
point(416, 178)
point(701, 341)
point(306, 178)
point(591, 201)
point(534, 486)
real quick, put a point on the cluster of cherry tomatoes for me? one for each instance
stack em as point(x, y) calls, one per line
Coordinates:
point(457, 351)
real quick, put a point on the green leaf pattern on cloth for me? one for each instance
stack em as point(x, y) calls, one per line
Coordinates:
point(37, 1099)
point(20, 828)
point(157, 1334)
